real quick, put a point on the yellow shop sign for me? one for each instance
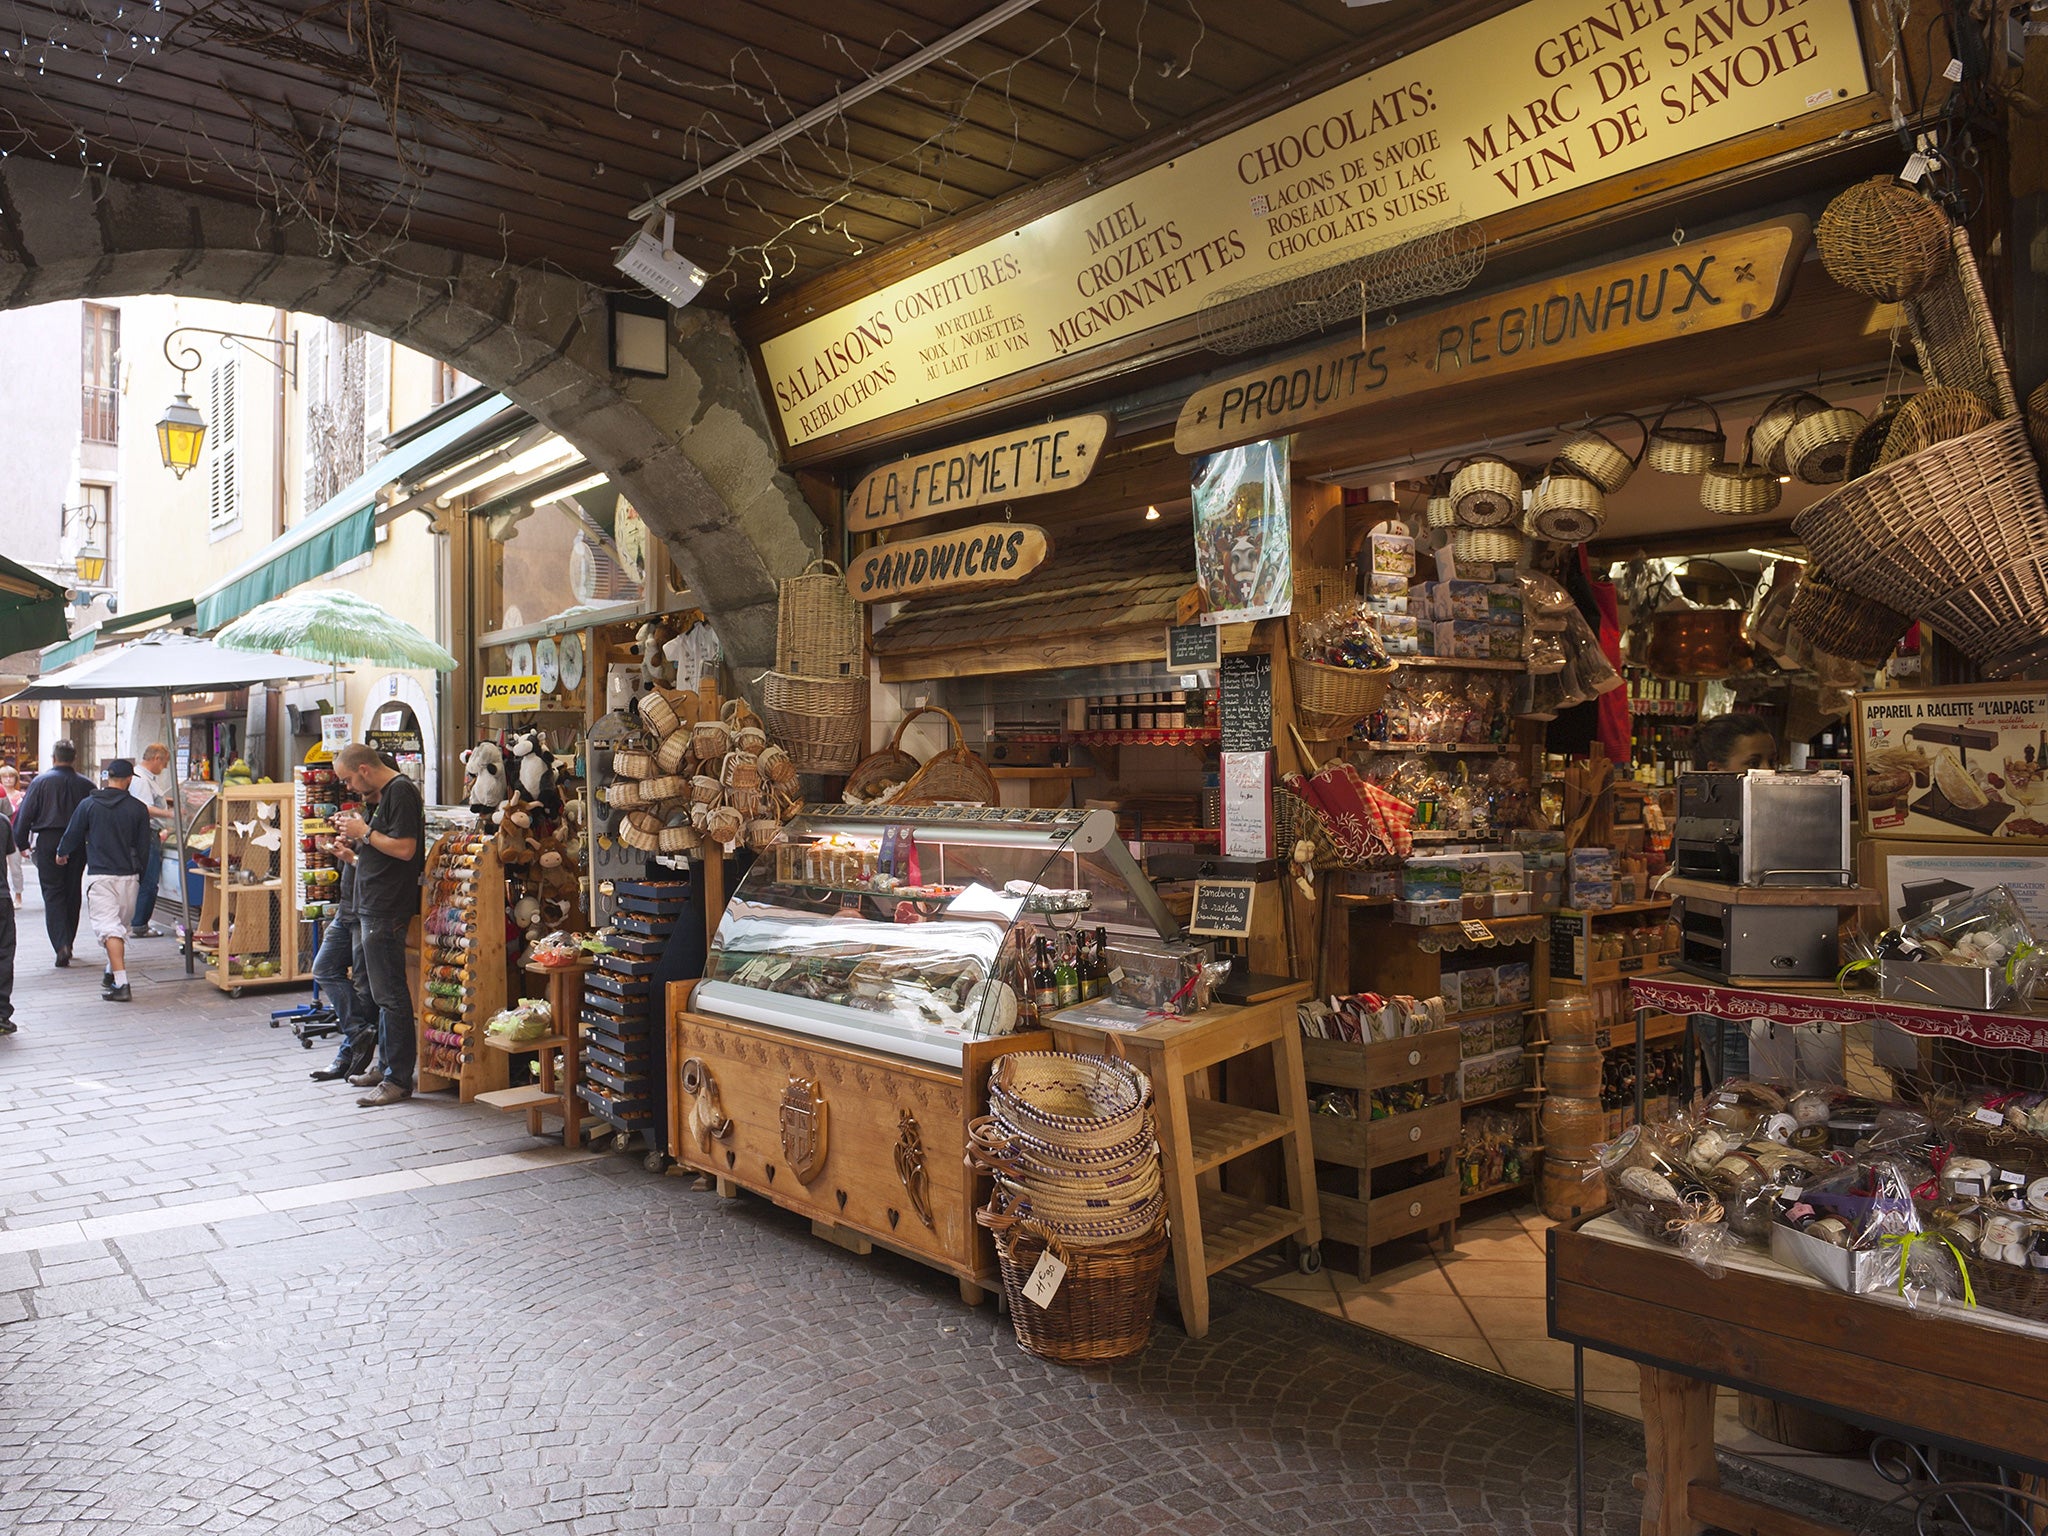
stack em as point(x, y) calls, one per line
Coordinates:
point(510, 695)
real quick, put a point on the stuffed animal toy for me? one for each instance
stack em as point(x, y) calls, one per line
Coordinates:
point(533, 768)
point(656, 669)
point(514, 823)
point(483, 777)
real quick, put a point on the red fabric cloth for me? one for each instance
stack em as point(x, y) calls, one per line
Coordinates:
point(1364, 820)
point(1616, 729)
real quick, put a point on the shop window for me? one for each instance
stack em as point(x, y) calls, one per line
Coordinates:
point(587, 549)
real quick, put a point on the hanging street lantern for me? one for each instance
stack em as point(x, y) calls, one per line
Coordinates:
point(91, 564)
point(179, 435)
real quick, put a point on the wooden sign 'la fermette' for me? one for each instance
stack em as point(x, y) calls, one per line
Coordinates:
point(1684, 290)
point(1009, 466)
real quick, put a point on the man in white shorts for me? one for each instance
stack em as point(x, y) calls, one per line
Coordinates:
point(111, 831)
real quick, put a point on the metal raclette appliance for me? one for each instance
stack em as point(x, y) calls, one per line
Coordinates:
point(1743, 849)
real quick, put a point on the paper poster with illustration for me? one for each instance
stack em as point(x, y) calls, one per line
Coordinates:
point(1244, 554)
point(1965, 763)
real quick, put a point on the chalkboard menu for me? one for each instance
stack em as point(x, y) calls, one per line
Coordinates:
point(1223, 908)
point(1192, 647)
point(1247, 703)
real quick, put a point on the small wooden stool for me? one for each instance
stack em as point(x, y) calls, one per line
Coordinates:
point(556, 1092)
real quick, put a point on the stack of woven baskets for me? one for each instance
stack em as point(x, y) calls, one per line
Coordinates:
point(686, 783)
point(1948, 523)
point(816, 699)
point(1070, 1143)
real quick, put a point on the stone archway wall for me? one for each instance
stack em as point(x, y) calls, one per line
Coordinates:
point(694, 452)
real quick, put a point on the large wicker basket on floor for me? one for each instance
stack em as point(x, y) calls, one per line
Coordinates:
point(1103, 1308)
point(952, 774)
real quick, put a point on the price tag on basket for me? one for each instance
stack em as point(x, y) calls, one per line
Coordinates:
point(1046, 1276)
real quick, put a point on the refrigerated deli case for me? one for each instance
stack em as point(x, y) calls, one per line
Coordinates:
point(868, 971)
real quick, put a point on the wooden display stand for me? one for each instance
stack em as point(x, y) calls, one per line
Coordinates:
point(868, 1146)
point(1212, 1228)
point(479, 891)
point(555, 1094)
point(1352, 1150)
point(1925, 1377)
point(256, 918)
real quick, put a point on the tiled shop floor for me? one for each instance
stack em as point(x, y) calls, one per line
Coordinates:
point(1483, 1304)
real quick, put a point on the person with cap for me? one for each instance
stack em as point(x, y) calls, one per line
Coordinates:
point(112, 832)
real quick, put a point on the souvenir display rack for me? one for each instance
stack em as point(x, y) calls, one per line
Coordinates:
point(249, 876)
point(318, 797)
point(621, 1058)
point(463, 980)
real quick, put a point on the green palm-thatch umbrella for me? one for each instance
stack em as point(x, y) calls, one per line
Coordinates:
point(333, 626)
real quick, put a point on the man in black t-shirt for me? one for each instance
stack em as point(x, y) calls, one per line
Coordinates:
point(390, 846)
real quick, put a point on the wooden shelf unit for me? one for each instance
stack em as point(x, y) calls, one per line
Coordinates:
point(1359, 1211)
point(258, 922)
point(478, 893)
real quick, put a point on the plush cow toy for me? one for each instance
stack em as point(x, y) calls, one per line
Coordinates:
point(484, 777)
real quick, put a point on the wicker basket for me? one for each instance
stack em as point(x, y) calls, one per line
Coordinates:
point(641, 830)
point(628, 764)
point(673, 753)
point(1934, 416)
point(1566, 507)
point(2009, 1289)
point(952, 774)
point(1867, 452)
point(624, 795)
point(1103, 1308)
point(1599, 458)
point(1740, 490)
point(1070, 1099)
point(1955, 336)
point(665, 711)
point(1320, 589)
point(891, 765)
point(817, 624)
point(1843, 624)
point(1767, 434)
point(822, 723)
point(1917, 532)
point(1883, 239)
point(1487, 546)
point(677, 836)
point(1817, 448)
point(1329, 701)
point(2037, 420)
point(1487, 493)
point(1662, 1221)
point(1296, 821)
point(2020, 1151)
point(1677, 450)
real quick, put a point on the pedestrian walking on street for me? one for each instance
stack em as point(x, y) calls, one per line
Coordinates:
point(390, 847)
point(344, 980)
point(7, 927)
point(111, 834)
point(53, 795)
point(154, 785)
point(10, 807)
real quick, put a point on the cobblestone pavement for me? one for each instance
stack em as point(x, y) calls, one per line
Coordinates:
point(234, 1302)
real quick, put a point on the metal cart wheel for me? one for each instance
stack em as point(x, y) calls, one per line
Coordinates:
point(1310, 1260)
point(623, 1142)
point(656, 1161)
point(234, 991)
point(306, 1041)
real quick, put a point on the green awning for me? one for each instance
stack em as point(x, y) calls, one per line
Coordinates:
point(31, 609)
point(85, 642)
point(342, 530)
point(80, 644)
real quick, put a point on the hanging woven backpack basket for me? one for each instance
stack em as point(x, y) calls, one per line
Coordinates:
point(817, 624)
point(1487, 493)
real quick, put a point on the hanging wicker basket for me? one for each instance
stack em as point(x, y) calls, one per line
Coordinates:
point(1296, 821)
point(1867, 452)
point(1767, 434)
point(1817, 448)
point(629, 764)
point(821, 722)
point(1591, 453)
point(665, 711)
point(1882, 239)
point(2037, 420)
point(1566, 507)
point(1329, 701)
point(1934, 416)
point(1487, 546)
point(641, 830)
point(1682, 450)
point(1843, 624)
point(1746, 489)
point(1955, 335)
point(1487, 493)
point(817, 624)
point(1959, 529)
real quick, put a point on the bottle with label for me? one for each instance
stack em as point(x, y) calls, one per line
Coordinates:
point(1045, 987)
point(1066, 975)
point(1095, 982)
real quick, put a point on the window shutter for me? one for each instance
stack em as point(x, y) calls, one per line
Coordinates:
point(376, 397)
point(222, 507)
point(313, 400)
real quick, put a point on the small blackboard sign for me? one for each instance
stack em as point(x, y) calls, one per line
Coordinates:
point(1223, 909)
point(1247, 703)
point(1193, 647)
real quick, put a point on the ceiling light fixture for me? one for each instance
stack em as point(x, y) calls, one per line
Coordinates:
point(656, 266)
point(1151, 514)
point(570, 490)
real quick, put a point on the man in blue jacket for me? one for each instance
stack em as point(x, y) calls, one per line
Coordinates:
point(45, 812)
point(112, 831)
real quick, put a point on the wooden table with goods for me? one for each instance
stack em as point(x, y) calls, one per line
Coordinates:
point(1975, 1387)
point(1213, 1227)
point(869, 1146)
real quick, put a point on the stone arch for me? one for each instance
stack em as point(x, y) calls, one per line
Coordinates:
point(694, 451)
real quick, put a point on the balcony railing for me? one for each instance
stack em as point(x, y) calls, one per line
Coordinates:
point(100, 420)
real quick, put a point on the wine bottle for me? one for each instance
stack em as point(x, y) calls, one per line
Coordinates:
point(1066, 977)
point(1045, 990)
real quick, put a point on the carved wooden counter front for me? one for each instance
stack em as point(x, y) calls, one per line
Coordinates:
point(1975, 1387)
point(869, 1146)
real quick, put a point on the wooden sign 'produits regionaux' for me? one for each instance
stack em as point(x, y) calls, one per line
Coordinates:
point(985, 555)
point(1055, 456)
point(1703, 285)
